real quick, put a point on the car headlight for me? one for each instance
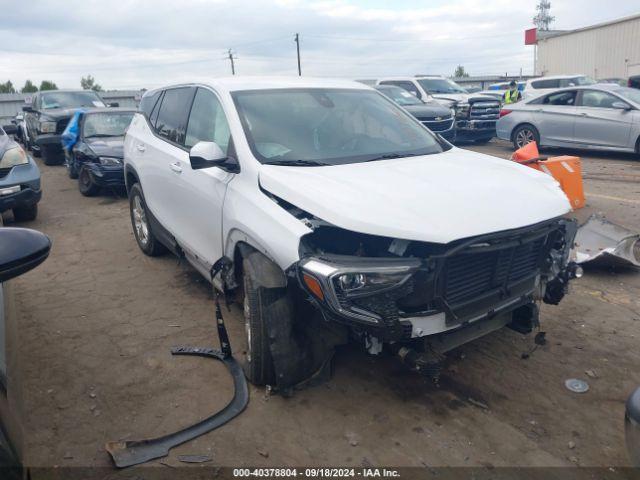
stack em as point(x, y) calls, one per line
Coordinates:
point(109, 161)
point(338, 280)
point(47, 127)
point(12, 157)
point(462, 110)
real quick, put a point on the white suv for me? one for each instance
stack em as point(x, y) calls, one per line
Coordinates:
point(535, 87)
point(334, 214)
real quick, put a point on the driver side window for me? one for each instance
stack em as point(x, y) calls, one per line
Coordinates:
point(207, 121)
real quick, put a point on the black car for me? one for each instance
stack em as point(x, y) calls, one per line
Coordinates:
point(47, 117)
point(433, 115)
point(93, 148)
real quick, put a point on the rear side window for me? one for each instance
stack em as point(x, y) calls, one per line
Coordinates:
point(148, 102)
point(207, 122)
point(560, 98)
point(173, 114)
point(546, 84)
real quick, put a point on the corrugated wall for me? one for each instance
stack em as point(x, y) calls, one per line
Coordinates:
point(607, 51)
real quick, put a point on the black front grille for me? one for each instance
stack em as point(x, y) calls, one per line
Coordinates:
point(4, 172)
point(469, 275)
point(437, 125)
point(485, 110)
point(62, 124)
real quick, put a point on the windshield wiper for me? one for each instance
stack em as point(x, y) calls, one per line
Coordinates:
point(389, 156)
point(297, 163)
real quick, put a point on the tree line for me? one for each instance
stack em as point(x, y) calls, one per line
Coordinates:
point(87, 83)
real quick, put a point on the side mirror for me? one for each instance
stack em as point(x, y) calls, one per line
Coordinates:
point(206, 155)
point(632, 427)
point(21, 249)
point(10, 129)
point(113, 104)
point(27, 108)
point(621, 106)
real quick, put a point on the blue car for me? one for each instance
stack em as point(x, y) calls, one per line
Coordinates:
point(93, 147)
point(19, 178)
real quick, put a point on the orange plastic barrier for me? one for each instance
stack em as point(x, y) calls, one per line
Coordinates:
point(568, 172)
point(526, 153)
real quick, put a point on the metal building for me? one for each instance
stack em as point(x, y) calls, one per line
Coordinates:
point(605, 50)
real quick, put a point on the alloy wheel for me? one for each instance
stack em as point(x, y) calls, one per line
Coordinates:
point(524, 137)
point(140, 221)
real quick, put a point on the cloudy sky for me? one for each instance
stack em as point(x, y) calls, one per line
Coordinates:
point(148, 43)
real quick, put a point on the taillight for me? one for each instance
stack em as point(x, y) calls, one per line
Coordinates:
point(504, 112)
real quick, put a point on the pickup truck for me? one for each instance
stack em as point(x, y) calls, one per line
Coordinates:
point(476, 115)
point(332, 214)
point(48, 115)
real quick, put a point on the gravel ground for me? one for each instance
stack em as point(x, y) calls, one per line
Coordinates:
point(98, 319)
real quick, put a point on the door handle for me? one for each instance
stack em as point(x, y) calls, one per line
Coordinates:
point(141, 148)
point(175, 167)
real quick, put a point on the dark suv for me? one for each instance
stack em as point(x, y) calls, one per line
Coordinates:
point(47, 117)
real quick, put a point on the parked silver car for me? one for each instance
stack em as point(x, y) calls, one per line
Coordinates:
point(602, 117)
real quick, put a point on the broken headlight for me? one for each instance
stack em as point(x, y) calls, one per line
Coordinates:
point(12, 157)
point(462, 110)
point(337, 280)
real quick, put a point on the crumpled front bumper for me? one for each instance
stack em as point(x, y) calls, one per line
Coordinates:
point(464, 283)
point(27, 177)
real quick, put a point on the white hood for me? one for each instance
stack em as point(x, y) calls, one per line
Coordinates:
point(433, 198)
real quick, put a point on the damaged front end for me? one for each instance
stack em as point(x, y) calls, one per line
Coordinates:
point(397, 291)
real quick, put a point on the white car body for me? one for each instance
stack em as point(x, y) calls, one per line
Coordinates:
point(534, 87)
point(438, 198)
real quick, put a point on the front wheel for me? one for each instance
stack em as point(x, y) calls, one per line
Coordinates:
point(72, 170)
point(145, 238)
point(86, 185)
point(524, 135)
point(49, 157)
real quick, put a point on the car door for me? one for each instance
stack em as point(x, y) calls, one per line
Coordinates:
point(202, 191)
point(555, 116)
point(599, 123)
point(160, 156)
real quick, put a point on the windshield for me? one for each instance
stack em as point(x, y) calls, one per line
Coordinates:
point(106, 124)
point(70, 100)
point(400, 96)
point(321, 126)
point(632, 94)
point(440, 85)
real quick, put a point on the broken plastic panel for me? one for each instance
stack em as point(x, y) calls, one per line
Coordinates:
point(599, 241)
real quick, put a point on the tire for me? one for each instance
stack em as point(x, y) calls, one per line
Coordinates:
point(36, 152)
point(258, 364)
point(525, 134)
point(483, 141)
point(26, 213)
point(86, 185)
point(145, 237)
point(72, 171)
point(48, 158)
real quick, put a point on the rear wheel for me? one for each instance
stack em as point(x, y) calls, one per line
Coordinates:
point(86, 185)
point(145, 238)
point(26, 213)
point(524, 135)
point(49, 157)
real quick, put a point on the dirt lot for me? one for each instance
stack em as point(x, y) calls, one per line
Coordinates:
point(98, 319)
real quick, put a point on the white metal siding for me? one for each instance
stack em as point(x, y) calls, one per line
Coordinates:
point(607, 51)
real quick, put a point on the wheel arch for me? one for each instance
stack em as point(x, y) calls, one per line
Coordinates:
point(130, 177)
point(522, 124)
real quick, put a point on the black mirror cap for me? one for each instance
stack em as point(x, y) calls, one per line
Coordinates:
point(21, 250)
point(27, 108)
point(10, 129)
point(228, 164)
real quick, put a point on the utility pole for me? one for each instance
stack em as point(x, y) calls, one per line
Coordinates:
point(233, 68)
point(297, 40)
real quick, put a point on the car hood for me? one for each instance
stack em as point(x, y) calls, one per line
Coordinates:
point(432, 109)
point(106, 146)
point(433, 198)
point(463, 97)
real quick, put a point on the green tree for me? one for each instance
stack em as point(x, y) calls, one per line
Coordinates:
point(89, 83)
point(7, 87)
point(460, 72)
point(29, 87)
point(47, 85)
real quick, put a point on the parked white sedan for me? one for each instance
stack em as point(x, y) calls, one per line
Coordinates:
point(602, 117)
